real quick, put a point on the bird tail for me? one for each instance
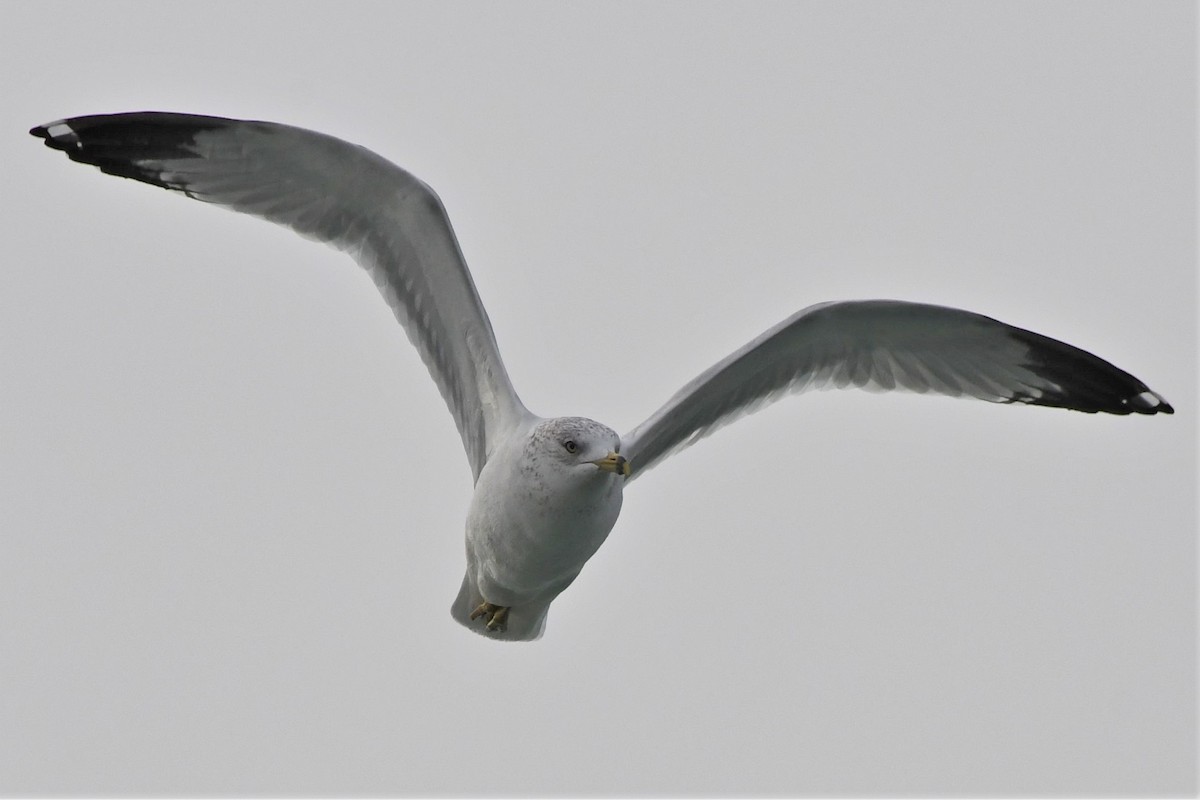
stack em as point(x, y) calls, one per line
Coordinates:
point(524, 623)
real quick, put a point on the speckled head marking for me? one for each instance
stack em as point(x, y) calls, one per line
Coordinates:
point(562, 429)
point(575, 441)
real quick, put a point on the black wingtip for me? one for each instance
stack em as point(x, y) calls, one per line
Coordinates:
point(1149, 402)
point(1085, 382)
point(57, 135)
point(43, 132)
point(122, 144)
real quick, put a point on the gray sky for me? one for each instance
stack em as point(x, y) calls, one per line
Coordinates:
point(232, 499)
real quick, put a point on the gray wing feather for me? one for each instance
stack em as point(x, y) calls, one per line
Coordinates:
point(884, 345)
point(341, 194)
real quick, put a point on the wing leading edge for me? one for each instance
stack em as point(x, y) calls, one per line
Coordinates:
point(884, 345)
point(341, 194)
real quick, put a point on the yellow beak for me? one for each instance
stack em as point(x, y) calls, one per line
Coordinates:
point(615, 463)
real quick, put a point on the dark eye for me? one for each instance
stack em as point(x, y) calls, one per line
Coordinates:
point(570, 446)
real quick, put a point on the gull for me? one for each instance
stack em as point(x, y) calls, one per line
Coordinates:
point(548, 489)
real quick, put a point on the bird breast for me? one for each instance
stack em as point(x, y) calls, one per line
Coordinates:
point(528, 534)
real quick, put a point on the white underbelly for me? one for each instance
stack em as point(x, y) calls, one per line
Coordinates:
point(520, 552)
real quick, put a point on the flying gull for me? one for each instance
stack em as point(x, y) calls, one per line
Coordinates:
point(548, 490)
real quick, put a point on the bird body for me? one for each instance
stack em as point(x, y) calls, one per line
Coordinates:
point(539, 512)
point(548, 490)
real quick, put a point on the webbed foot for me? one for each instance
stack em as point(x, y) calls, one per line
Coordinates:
point(494, 614)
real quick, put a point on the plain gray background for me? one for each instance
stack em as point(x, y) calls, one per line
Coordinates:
point(232, 499)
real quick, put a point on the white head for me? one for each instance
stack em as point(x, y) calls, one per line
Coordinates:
point(579, 445)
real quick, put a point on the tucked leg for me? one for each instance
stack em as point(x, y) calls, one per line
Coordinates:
point(495, 615)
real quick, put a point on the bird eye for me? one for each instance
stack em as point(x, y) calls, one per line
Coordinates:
point(570, 446)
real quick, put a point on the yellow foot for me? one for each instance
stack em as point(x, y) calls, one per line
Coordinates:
point(496, 615)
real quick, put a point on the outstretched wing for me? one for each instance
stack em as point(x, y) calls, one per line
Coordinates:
point(883, 345)
point(339, 193)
